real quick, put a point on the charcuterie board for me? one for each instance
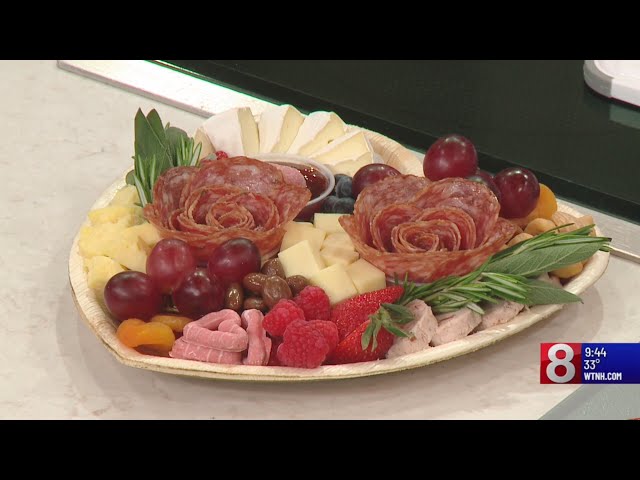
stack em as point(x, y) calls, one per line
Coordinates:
point(104, 327)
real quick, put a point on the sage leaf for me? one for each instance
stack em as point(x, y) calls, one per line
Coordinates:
point(150, 139)
point(536, 262)
point(545, 293)
point(175, 138)
point(130, 177)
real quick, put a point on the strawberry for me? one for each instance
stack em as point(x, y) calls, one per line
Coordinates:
point(350, 349)
point(352, 313)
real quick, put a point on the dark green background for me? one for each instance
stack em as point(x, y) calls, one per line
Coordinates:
point(538, 114)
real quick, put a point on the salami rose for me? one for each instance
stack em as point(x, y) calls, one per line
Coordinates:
point(407, 225)
point(223, 199)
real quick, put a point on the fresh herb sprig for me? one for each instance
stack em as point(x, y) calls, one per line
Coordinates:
point(507, 275)
point(157, 149)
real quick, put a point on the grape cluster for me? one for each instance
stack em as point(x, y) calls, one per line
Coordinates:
point(173, 277)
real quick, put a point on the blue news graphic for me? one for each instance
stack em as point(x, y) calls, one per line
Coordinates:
point(610, 362)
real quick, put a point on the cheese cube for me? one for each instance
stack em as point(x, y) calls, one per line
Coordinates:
point(298, 234)
point(317, 130)
point(301, 259)
point(127, 195)
point(124, 215)
point(328, 222)
point(335, 281)
point(338, 239)
point(290, 225)
point(366, 277)
point(100, 269)
point(278, 128)
point(347, 147)
point(350, 167)
point(343, 256)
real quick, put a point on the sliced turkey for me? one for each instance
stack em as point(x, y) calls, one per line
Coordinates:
point(455, 325)
point(422, 329)
point(498, 313)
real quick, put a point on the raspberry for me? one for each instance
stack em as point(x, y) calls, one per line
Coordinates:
point(328, 330)
point(220, 154)
point(304, 346)
point(282, 314)
point(314, 302)
point(273, 357)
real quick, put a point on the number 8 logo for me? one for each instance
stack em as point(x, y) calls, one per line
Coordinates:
point(556, 362)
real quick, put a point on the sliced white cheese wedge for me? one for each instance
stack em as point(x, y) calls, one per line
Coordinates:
point(349, 146)
point(278, 128)
point(207, 147)
point(234, 132)
point(317, 130)
point(350, 167)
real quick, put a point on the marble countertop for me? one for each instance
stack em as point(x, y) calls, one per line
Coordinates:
point(65, 139)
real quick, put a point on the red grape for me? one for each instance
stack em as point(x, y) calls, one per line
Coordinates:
point(487, 180)
point(520, 192)
point(169, 263)
point(198, 294)
point(234, 259)
point(132, 295)
point(372, 173)
point(450, 156)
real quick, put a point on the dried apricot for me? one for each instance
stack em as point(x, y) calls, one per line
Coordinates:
point(569, 271)
point(538, 226)
point(175, 322)
point(135, 333)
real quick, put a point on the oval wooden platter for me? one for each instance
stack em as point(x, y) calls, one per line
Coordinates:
point(96, 317)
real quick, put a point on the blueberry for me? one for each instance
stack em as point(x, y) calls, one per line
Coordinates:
point(338, 176)
point(329, 204)
point(343, 186)
point(344, 205)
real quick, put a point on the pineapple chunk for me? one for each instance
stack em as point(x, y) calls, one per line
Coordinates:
point(97, 240)
point(336, 283)
point(99, 270)
point(366, 277)
point(127, 195)
point(147, 233)
point(338, 239)
point(124, 215)
point(123, 245)
point(328, 222)
point(303, 232)
point(343, 256)
point(130, 251)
